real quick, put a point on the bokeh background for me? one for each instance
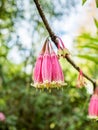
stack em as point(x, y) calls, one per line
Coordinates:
point(22, 34)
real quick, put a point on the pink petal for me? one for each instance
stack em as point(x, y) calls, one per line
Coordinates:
point(47, 68)
point(93, 106)
point(37, 75)
point(57, 74)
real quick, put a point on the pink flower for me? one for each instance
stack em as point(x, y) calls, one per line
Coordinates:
point(93, 107)
point(47, 66)
point(37, 74)
point(2, 117)
point(47, 71)
point(37, 71)
point(57, 74)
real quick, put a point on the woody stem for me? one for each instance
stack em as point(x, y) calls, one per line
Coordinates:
point(54, 39)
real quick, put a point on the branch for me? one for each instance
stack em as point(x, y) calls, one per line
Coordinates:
point(53, 37)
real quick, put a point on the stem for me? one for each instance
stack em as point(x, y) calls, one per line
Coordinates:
point(54, 39)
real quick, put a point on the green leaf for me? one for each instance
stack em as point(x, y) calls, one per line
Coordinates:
point(89, 46)
point(97, 3)
point(91, 58)
point(96, 23)
point(83, 2)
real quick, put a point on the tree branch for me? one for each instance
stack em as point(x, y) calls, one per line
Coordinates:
point(54, 39)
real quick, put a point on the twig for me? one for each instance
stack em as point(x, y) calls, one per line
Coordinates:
point(54, 39)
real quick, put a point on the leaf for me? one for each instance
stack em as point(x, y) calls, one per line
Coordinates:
point(89, 46)
point(97, 3)
point(96, 22)
point(88, 37)
point(91, 58)
point(83, 2)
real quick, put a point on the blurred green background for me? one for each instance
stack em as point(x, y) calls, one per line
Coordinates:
point(21, 36)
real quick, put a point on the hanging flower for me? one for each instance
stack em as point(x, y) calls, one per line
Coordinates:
point(37, 74)
point(57, 73)
point(2, 117)
point(47, 71)
point(37, 71)
point(47, 66)
point(93, 105)
point(80, 80)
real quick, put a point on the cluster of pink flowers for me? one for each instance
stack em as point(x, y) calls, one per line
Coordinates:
point(47, 71)
point(93, 105)
point(2, 117)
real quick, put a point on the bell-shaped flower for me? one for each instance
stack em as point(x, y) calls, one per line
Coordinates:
point(47, 66)
point(93, 105)
point(47, 71)
point(37, 71)
point(57, 73)
point(37, 74)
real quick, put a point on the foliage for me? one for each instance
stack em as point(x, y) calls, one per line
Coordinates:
point(83, 1)
point(87, 49)
point(90, 46)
